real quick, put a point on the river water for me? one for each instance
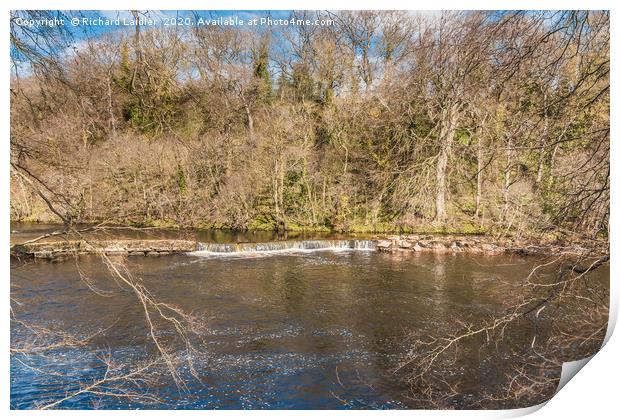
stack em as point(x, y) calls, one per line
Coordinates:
point(297, 328)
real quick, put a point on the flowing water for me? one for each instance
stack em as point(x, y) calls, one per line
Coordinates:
point(253, 248)
point(292, 324)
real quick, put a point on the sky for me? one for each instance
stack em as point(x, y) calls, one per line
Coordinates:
point(160, 16)
point(80, 32)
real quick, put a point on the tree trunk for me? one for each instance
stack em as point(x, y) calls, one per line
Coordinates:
point(542, 156)
point(278, 196)
point(250, 120)
point(479, 178)
point(111, 106)
point(507, 180)
point(449, 119)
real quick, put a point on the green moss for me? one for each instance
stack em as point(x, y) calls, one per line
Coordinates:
point(293, 227)
point(261, 224)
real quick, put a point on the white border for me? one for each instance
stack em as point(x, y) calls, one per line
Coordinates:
point(593, 394)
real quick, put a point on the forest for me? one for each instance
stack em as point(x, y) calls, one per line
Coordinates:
point(469, 122)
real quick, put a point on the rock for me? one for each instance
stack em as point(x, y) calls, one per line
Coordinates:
point(53, 250)
point(384, 244)
point(436, 245)
point(405, 244)
point(491, 249)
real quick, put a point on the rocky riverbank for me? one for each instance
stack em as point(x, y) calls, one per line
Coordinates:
point(471, 244)
point(456, 244)
point(396, 243)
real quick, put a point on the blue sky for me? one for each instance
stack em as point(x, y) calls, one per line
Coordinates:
point(80, 32)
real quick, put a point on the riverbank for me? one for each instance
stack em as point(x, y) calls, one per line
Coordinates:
point(476, 244)
point(465, 228)
point(444, 244)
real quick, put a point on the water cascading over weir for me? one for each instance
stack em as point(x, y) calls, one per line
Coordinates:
point(242, 248)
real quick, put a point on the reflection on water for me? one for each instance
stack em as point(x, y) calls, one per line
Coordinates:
point(21, 232)
point(317, 329)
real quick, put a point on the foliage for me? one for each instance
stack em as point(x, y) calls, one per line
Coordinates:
point(471, 121)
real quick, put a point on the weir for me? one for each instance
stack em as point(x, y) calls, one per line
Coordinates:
point(241, 248)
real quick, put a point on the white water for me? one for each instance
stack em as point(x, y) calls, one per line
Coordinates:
point(242, 249)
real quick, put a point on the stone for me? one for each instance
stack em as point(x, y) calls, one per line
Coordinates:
point(436, 245)
point(52, 250)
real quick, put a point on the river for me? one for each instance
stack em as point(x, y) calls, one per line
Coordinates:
point(296, 328)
